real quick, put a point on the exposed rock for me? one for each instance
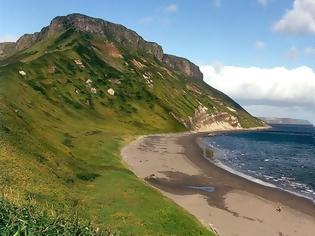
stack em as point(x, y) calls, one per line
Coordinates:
point(51, 69)
point(180, 120)
point(115, 81)
point(193, 89)
point(147, 76)
point(88, 81)
point(22, 72)
point(6, 49)
point(26, 41)
point(111, 91)
point(137, 64)
point(79, 63)
point(108, 48)
point(93, 90)
point(183, 65)
point(202, 121)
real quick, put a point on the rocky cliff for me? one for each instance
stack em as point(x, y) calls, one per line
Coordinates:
point(183, 65)
point(111, 31)
point(6, 49)
point(117, 32)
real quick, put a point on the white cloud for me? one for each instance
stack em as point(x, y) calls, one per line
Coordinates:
point(263, 2)
point(8, 38)
point(275, 87)
point(298, 20)
point(172, 8)
point(259, 44)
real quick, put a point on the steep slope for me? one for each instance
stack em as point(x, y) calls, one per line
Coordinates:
point(7, 49)
point(73, 94)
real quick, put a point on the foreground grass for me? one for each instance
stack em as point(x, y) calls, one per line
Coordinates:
point(110, 197)
point(73, 162)
point(27, 220)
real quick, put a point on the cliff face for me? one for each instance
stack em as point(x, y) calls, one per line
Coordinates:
point(202, 121)
point(113, 32)
point(116, 32)
point(183, 65)
point(26, 41)
point(6, 49)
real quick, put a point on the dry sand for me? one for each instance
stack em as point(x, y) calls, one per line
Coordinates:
point(172, 163)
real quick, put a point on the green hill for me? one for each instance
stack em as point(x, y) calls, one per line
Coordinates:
point(72, 95)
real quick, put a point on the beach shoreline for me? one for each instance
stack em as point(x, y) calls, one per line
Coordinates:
point(213, 160)
point(175, 164)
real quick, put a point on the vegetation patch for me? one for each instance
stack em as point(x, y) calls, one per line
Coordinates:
point(209, 153)
point(87, 176)
point(27, 220)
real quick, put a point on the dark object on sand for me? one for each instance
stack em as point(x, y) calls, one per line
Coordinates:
point(152, 176)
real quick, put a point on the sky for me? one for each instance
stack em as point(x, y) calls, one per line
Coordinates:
point(259, 52)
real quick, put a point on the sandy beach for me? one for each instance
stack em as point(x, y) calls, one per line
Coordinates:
point(231, 205)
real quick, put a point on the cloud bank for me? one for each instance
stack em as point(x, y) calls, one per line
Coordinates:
point(298, 20)
point(276, 88)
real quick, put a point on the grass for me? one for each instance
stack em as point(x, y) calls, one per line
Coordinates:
point(209, 153)
point(70, 159)
point(28, 220)
point(60, 144)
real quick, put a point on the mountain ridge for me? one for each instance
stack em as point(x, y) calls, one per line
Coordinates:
point(101, 27)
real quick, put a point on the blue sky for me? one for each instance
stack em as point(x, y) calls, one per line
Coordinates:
point(216, 34)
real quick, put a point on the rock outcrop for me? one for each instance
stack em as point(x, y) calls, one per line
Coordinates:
point(202, 121)
point(113, 32)
point(117, 32)
point(183, 65)
point(6, 48)
point(26, 41)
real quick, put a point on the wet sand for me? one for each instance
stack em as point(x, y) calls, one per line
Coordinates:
point(175, 164)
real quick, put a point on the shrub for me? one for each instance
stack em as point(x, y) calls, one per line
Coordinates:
point(87, 176)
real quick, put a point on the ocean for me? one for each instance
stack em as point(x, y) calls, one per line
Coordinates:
point(282, 157)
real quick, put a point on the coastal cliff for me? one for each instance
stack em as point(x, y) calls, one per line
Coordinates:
point(183, 65)
point(119, 33)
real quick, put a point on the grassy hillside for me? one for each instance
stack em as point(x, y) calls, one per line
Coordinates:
point(61, 131)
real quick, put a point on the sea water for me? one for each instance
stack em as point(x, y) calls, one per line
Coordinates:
point(282, 157)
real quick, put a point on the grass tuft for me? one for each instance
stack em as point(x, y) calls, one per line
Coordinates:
point(27, 220)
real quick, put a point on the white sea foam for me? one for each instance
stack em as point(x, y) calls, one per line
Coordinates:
point(248, 177)
point(261, 182)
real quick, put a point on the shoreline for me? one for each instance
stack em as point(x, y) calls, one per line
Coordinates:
point(175, 164)
point(221, 165)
